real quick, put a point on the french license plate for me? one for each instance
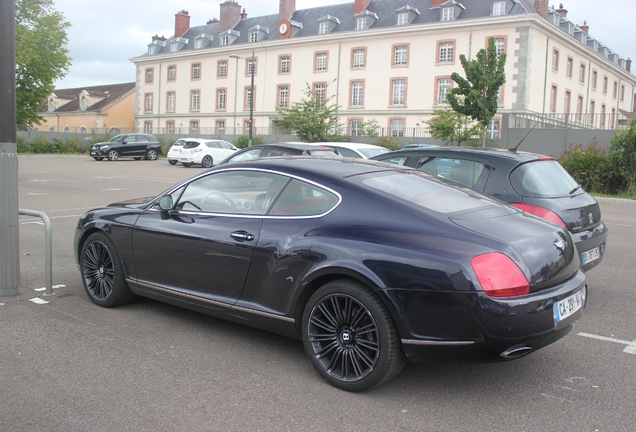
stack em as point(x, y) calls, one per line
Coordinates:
point(568, 306)
point(184, 159)
point(590, 255)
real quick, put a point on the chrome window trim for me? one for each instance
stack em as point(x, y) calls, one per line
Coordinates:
point(435, 342)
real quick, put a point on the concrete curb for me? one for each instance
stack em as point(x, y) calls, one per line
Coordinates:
point(616, 201)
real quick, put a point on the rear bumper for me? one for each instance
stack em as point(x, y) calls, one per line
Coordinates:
point(588, 240)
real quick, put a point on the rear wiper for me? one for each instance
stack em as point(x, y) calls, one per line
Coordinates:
point(575, 189)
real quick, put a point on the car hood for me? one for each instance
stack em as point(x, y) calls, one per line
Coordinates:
point(132, 203)
point(547, 250)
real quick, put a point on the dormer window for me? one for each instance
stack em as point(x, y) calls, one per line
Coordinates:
point(405, 15)
point(225, 40)
point(498, 8)
point(361, 23)
point(257, 33)
point(327, 23)
point(83, 103)
point(365, 20)
point(51, 105)
point(177, 44)
point(228, 37)
point(202, 41)
point(253, 36)
point(448, 14)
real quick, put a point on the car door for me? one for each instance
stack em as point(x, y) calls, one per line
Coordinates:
point(204, 245)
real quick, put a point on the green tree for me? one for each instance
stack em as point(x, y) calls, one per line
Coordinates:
point(41, 55)
point(623, 152)
point(311, 119)
point(477, 95)
point(453, 127)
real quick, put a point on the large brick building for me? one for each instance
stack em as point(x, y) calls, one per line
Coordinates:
point(383, 60)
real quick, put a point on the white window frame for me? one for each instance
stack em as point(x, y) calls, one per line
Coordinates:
point(400, 55)
point(221, 99)
point(446, 52)
point(357, 92)
point(361, 23)
point(398, 92)
point(444, 86)
point(498, 8)
point(359, 58)
point(321, 62)
point(403, 18)
point(283, 96)
point(448, 14)
point(195, 100)
point(323, 27)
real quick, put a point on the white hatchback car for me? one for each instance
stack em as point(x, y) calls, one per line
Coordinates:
point(205, 152)
point(356, 150)
point(174, 153)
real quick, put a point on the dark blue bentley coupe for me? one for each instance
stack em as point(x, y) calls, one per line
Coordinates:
point(369, 264)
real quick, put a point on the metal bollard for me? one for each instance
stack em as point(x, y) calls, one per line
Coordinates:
point(48, 247)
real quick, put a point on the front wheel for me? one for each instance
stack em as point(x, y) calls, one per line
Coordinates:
point(102, 272)
point(137, 158)
point(98, 158)
point(172, 161)
point(151, 154)
point(113, 155)
point(207, 162)
point(187, 165)
point(350, 337)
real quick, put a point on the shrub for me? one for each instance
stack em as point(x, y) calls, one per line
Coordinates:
point(389, 142)
point(594, 169)
point(242, 141)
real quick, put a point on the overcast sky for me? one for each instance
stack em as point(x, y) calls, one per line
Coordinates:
point(105, 35)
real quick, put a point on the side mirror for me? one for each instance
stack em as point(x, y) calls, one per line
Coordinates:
point(124, 142)
point(165, 202)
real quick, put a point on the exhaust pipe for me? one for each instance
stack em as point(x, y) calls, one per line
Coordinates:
point(515, 353)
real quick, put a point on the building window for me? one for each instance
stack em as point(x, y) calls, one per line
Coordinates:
point(355, 127)
point(323, 27)
point(254, 36)
point(320, 62)
point(592, 106)
point(567, 101)
point(555, 60)
point(52, 103)
point(569, 66)
point(221, 99)
point(82, 129)
point(172, 73)
point(398, 91)
point(582, 73)
point(225, 40)
point(400, 55)
point(319, 89)
point(150, 73)
point(198, 43)
point(170, 127)
point(579, 108)
point(66, 129)
point(500, 44)
point(148, 102)
point(51, 128)
point(283, 96)
point(498, 8)
point(195, 100)
point(622, 93)
point(443, 88)
point(446, 52)
point(403, 18)
point(361, 23)
point(196, 71)
point(493, 129)
point(605, 81)
point(615, 90)
point(284, 64)
point(170, 101)
point(603, 116)
point(594, 78)
point(83, 103)
point(357, 93)
point(251, 66)
point(248, 97)
point(221, 69)
point(148, 127)
point(358, 58)
point(553, 98)
point(612, 118)
point(194, 127)
point(448, 14)
point(220, 127)
point(397, 127)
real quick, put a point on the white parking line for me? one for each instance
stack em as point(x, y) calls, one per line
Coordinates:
point(631, 346)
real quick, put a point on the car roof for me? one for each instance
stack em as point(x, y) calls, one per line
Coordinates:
point(348, 145)
point(476, 151)
point(296, 145)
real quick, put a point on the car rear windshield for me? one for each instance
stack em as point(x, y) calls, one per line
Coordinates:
point(191, 144)
point(419, 189)
point(543, 179)
point(369, 152)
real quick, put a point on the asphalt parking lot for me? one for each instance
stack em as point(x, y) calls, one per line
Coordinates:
point(68, 365)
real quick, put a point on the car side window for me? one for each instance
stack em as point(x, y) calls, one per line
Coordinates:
point(397, 160)
point(347, 152)
point(303, 199)
point(141, 138)
point(275, 152)
point(464, 172)
point(224, 145)
point(130, 139)
point(212, 144)
point(235, 192)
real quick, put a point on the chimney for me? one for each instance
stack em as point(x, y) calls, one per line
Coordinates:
point(230, 15)
point(561, 11)
point(628, 65)
point(361, 5)
point(181, 23)
point(286, 9)
point(243, 14)
point(541, 8)
point(585, 27)
point(212, 21)
point(437, 2)
point(156, 38)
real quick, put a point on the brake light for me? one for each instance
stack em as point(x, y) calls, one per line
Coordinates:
point(499, 276)
point(542, 212)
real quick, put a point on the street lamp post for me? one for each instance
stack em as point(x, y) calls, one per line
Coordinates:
point(251, 69)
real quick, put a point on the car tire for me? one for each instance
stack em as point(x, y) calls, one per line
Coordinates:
point(207, 162)
point(98, 159)
point(172, 162)
point(151, 154)
point(137, 158)
point(113, 155)
point(187, 165)
point(350, 337)
point(102, 272)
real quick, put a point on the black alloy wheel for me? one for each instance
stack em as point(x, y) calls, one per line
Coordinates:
point(187, 165)
point(102, 273)
point(172, 161)
point(98, 158)
point(207, 162)
point(151, 154)
point(113, 155)
point(350, 337)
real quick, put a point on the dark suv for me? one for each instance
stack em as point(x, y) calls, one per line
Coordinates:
point(533, 183)
point(135, 145)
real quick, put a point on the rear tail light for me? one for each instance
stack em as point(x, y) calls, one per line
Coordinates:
point(542, 212)
point(499, 276)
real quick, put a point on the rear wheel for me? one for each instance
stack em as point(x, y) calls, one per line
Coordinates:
point(102, 272)
point(172, 162)
point(350, 336)
point(98, 159)
point(151, 154)
point(113, 155)
point(187, 165)
point(207, 162)
point(137, 158)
